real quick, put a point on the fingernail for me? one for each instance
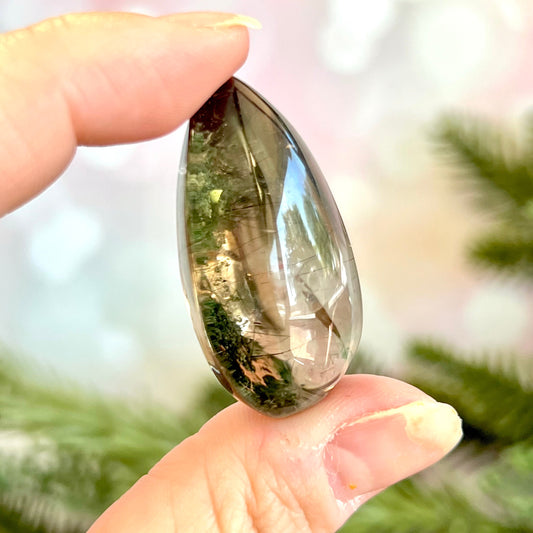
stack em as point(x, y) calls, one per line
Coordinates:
point(237, 20)
point(385, 447)
point(213, 20)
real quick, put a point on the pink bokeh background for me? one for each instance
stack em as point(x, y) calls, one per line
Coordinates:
point(90, 283)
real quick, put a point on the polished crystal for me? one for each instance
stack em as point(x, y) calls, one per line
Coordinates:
point(266, 263)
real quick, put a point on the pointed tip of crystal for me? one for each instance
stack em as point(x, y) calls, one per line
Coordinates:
point(266, 262)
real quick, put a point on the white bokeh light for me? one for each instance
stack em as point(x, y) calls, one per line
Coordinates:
point(497, 315)
point(450, 42)
point(513, 13)
point(118, 346)
point(362, 17)
point(347, 41)
point(61, 246)
point(341, 52)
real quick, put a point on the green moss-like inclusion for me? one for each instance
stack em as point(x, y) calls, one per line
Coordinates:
point(236, 353)
point(202, 213)
point(209, 213)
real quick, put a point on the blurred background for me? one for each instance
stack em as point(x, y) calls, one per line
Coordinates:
point(89, 282)
point(90, 279)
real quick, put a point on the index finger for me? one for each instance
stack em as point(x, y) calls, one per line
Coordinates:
point(103, 78)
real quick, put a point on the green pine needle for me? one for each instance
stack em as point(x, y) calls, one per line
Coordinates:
point(502, 176)
point(85, 422)
point(23, 513)
point(495, 401)
point(413, 506)
point(83, 450)
point(509, 252)
point(509, 484)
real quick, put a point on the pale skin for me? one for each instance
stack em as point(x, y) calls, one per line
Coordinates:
point(102, 79)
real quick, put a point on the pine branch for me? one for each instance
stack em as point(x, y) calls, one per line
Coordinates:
point(84, 450)
point(503, 178)
point(509, 484)
point(77, 482)
point(88, 423)
point(413, 506)
point(21, 514)
point(508, 252)
point(492, 400)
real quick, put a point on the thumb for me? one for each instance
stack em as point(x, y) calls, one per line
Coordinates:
point(245, 472)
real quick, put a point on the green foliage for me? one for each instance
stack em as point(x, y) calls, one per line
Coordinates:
point(33, 518)
point(509, 484)
point(492, 398)
point(78, 452)
point(501, 173)
point(275, 392)
point(490, 159)
point(414, 506)
point(508, 252)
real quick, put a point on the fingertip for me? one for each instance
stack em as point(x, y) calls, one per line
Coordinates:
point(380, 449)
point(157, 75)
point(102, 78)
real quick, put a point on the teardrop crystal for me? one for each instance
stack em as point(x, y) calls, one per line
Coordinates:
point(266, 263)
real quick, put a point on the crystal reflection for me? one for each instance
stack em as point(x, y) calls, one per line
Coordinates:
point(266, 262)
point(315, 280)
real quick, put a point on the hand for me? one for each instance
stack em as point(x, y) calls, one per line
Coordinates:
point(111, 78)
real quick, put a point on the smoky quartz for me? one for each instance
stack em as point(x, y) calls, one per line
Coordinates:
point(266, 263)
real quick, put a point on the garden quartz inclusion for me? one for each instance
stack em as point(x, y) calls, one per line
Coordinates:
point(266, 263)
